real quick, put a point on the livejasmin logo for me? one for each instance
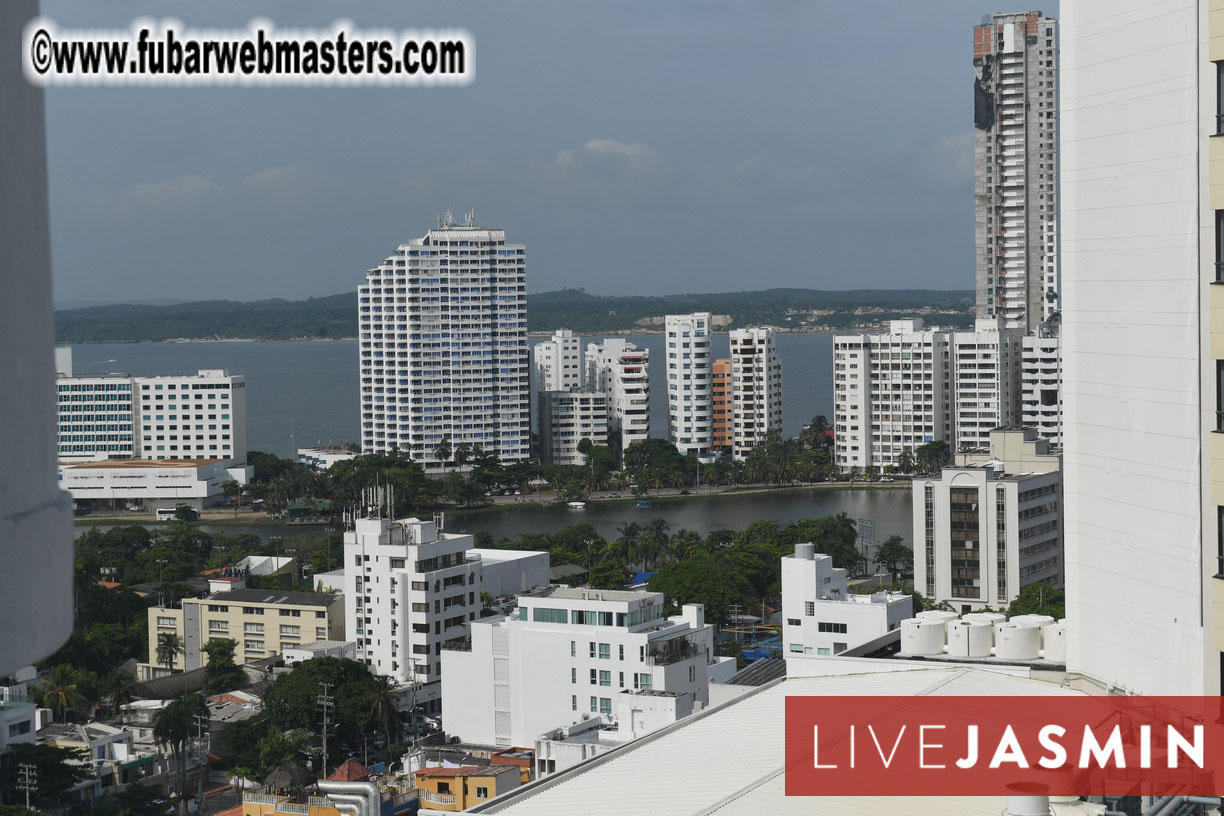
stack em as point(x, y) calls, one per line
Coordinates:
point(1078, 745)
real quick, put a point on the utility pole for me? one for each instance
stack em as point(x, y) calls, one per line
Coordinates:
point(202, 728)
point(325, 701)
point(27, 780)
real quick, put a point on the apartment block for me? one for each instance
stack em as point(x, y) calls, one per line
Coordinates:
point(1015, 150)
point(690, 411)
point(564, 656)
point(890, 394)
point(621, 370)
point(443, 356)
point(897, 391)
point(199, 416)
point(822, 616)
point(565, 419)
point(991, 525)
point(756, 389)
point(1041, 403)
point(558, 362)
point(261, 622)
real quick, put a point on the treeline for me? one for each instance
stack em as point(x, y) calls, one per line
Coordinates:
point(336, 315)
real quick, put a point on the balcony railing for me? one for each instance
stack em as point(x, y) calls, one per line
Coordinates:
point(671, 651)
point(440, 798)
point(457, 645)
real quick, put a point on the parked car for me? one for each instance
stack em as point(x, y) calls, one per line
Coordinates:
point(614, 495)
point(135, 508)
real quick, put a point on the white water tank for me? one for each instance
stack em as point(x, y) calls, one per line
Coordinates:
point(805, 552)
point(941, 615)
point(1054, 638)
point(1039, 621)
point(990, 617)
point(922, 637)
point(1017, 641)
point(969, 638)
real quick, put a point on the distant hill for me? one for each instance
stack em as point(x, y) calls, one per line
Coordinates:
point(336, 315)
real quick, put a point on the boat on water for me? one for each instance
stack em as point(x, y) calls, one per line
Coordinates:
point(643, 505)
point(577, 505)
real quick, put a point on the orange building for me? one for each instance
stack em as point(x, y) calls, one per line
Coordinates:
point(721, 392)
point(457, 789)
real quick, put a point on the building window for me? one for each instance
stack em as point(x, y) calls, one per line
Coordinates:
point(1219, 542)
point(605, 706)
point(573, 702)
point(832, 628)
point(1219, 246)
point(594, 704)
point(809, 608)
point(594, 677)
point(605, 651)
point(1219, 98)
point(605, 678)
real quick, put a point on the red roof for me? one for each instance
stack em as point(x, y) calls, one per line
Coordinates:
point(109, 584)
point(466, 770)
point(350, 771)
point(234, 811)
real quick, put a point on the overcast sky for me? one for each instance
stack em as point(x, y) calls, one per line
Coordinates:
point(636, 148)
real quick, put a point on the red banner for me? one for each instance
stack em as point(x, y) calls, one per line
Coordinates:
point(981, 746)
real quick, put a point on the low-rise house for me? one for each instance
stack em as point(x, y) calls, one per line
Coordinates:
point(456, 789)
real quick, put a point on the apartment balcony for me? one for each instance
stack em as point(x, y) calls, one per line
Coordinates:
point(439, 798)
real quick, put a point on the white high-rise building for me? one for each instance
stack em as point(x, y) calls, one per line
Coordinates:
point(565, 419)
point(756, 389)
point(890, 394)
point(1041, 385)
point(898, 391)
point(690, 400)
point(558, 362)
point(408, 587)
point(984, 383)
point(199, 416)
point(1143, 344)
point(564, 656)
point(822, 616)
point(443, 346)
point(991, 525)
point(621, 370)
point(1015, 148)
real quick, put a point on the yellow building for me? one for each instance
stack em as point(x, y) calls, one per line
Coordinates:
point(456, 789)
point(262, 622)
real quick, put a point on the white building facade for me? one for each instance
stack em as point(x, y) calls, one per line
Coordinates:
point(558, 362)
point(407, 588)
point(984, 382)
point(1041, 404)
point(564, 657)
point(690, 398)
point(152, 484)
point(117, 416)
point(565, 419)
point(990, 526)
point(890, 394)
point(621, 370)
point(1142, 196)
point(1015, 147)
point(822, 616)
point(443, 347)
point(756, 389)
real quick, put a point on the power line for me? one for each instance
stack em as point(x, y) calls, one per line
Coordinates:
point(27, 780)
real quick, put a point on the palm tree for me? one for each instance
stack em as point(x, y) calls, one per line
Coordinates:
point(121, 688)
point(630, 532)
point(169, 644)
point(442, 451)
point(61, 691)
point(463, 454)
point(655, 542)
point(905, 462)
point(384, 702)
point(175, 725)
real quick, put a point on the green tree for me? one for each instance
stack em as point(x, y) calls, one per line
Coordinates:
point(932, 456)
point(609, 574)
point(232, 491)
point(220, 672)
point(61, 690)
point(175, 726)
point(59, 769)
point(185, 513)
point(905, 462)
point(442, 451)
point(703, 580)
point(1039, 599)
point(290, 701)
point(893, 555)
point(169, 644)
point(384, 704)
point(120, 689)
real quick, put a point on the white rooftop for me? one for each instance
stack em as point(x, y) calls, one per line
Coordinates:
point(729, 759)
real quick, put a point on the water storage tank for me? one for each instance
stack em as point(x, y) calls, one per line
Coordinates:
point(805, 552)
point(1017, 641)
point(989, 617)
point(940, 615)
point(968, 638)
point(1037, 620)
point(1054, 638)
point(922, 637)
